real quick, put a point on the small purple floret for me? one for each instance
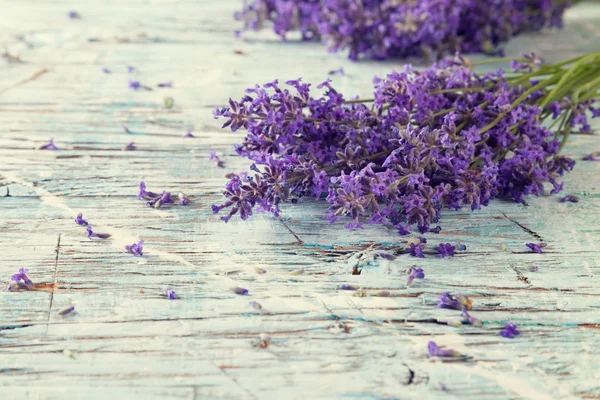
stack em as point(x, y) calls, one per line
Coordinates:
point(446, 250)
point(414, 273)
point(17, 278)
point(171, 295)
point(536, 247)
point(49, 146)
point(92, 234)
point(239, 290)
point(510, 331)
point(79, 220)
point(437, 351)
point(136, 248)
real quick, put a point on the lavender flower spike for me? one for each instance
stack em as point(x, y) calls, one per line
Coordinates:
point(239, 290)
point(414, 273)
point(510, 331)
point(17, 278)
point(92, 234)
point(136, 248)
point(437, 351)
point(49, 146)
point(536, 247)
point(80, 221)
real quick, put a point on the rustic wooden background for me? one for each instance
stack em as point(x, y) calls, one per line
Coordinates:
point(127, 341)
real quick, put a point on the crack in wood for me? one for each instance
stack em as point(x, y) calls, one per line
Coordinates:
point(57, 251)
point(526, 229)
point(298, 240)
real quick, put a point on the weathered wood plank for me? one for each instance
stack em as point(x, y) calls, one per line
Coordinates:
point(127, 340)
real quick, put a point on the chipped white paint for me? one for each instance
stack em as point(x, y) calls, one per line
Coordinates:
point(127, 341)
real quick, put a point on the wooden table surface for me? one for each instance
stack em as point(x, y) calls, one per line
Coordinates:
point(127, 341)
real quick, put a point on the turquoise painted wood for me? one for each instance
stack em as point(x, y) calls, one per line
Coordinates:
point(127, 341)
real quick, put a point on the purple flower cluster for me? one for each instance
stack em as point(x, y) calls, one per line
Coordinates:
point(510, 331)
point(413, 273)
point(443, 137)
point(15, 280)
point(383, 29)
point(136, 248)
point(446, 250)
point(455, 302)
point(157, 200)
point(437, 351)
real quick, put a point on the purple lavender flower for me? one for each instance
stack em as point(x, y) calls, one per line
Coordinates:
point(536, 247)
point(347, 286)
point(183, 199)
point(216, 160)
point(386, 29)
point(437, 351)
point(446, 249)
point(130, 147)
point(131, 69)
point(135, 85)
point(510, 331)
point(136, 248)
point(106, 70)
point(239, 290)
point(171, 295)
point(67, 310)
point(456, 302)
point(414, 273)
point(461, 247)
point(145, 194)
point(416, 250)
point(16, 279)
point(189, 134)
point(74, 15)
point(92, 234)
point(125, 129)
point(164, 198)
point(165, 84)
point(79, 220)
point(471, 320)
point(595, 156)
point(49, 146)
point(571, 198)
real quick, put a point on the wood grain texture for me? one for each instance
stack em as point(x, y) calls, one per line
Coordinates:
point(127, 341)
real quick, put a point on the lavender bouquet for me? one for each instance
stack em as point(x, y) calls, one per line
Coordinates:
point(443, 137)
point(382, 29)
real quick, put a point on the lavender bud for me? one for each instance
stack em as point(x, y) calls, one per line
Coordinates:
point(348, 286)
point(67, 310)
point(239, 290)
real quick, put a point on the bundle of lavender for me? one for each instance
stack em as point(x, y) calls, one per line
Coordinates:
point(389, 28)
point(443, 137)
